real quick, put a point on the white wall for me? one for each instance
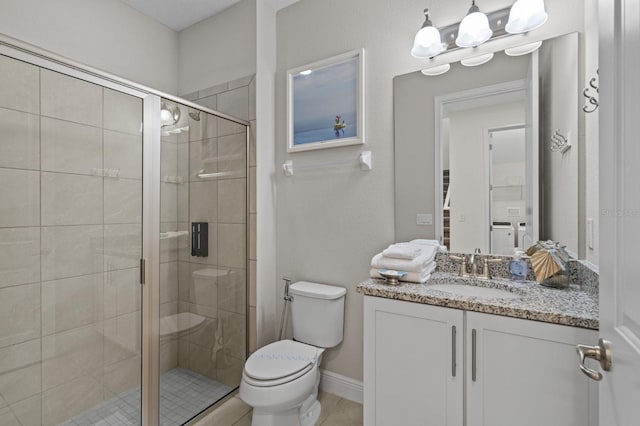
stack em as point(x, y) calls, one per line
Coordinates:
point(559, 109)
point(467, 171)
point(107, 35)
point(331, 223)
point(218, 49)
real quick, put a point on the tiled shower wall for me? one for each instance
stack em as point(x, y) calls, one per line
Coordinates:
point(70, 234)
point(238, 98)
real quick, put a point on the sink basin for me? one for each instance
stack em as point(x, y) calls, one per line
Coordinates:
point(475, 291)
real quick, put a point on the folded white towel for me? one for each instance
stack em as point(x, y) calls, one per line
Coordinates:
point(412, 277)
point(426, 256)
point(422, 242)
point(402, 251)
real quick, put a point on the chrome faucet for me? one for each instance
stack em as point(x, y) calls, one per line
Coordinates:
point(464, 270)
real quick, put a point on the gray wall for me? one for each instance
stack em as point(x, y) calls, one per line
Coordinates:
point(108, 35)
point(414, 133)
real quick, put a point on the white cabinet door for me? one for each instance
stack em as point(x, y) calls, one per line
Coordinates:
point(524, 373)
point(413, 364)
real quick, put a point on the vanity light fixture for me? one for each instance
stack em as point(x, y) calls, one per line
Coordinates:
point(474, 28)
point(523, 49)
point(169, 114)
point(526, 15)
point(477, 60)
point(427, 42)
point(433, 71)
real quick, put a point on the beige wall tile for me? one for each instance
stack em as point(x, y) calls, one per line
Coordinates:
point(122, 338)
point(235, 102)
point(206, 128)
point(69, 98)
point(7, 417)
point(232, 291)
point(231, 245)
point(19, 140)
point(19, 314)
point(65, 401)
point(70, 147)
point(19, 256)
point(72, 355)
point(209, 102)
point(203, 201)
point(122, 112)
point(253, 334)
point(122, 292)
point(232, 151)
point(122, 246)
point(168, 355)
point(229, 369)
point(71, 303)
point(233, 333)
point(168, 282)
point(206, 334)
point(122, 201)
point(232, 201)
point(184, 281)
point(123, 152)
point(28, 411)
point(203, 158)
point(203, 361)
point(252, 190)
point(253, 235)
point(71, 199)
point(20, 371)
point(228, 127)
point(170, 244)
point(252, 144)
point(168, 202)
point(122, 375)
point(253, 280)
point(183, 353)
point(204, 288)
point(19, 86)
point(20, 195)
point(168, 159)
point(69, 251)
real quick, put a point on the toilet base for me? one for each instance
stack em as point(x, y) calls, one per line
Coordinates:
point(305, 415)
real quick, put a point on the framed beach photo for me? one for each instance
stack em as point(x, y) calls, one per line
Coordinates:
point(325, 103)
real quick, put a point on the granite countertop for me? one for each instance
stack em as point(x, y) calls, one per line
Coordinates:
point(574, 306)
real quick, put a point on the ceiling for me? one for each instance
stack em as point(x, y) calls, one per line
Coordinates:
point(180, 14)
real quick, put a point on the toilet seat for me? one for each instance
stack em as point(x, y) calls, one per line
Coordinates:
point(280, 362)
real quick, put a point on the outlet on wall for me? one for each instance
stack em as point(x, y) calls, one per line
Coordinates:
point(424, 219)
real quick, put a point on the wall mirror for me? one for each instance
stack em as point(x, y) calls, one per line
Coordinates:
point(475, 164)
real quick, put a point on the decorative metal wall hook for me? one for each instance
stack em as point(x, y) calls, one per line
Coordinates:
point(559, 142)
point(592, 99)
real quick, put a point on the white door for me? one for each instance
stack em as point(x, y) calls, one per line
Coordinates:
point(620, 209)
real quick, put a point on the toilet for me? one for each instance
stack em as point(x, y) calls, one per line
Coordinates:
point(280, 380)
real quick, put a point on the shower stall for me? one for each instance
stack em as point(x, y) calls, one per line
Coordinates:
point(123, 248)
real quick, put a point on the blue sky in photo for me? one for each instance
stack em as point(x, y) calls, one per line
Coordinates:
point(323, 94)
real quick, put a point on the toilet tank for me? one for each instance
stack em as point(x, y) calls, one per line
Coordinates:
point(317, 313)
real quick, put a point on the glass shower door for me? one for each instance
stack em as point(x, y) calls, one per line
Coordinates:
point(203, 270)
point(70, 244)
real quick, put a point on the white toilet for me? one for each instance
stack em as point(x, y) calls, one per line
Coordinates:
point(280, 381)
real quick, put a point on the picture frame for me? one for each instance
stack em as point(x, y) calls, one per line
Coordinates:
point(326, 103)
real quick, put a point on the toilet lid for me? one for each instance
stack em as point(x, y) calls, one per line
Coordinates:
point(280, 360)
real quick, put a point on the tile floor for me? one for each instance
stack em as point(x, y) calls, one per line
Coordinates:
point(336, 411)
point(183, 394)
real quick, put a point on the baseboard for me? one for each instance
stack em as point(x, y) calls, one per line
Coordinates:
point(342, 386)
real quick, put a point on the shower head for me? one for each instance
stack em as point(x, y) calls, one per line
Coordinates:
point(195, 115)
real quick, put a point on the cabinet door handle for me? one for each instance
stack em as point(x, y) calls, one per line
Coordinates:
point(474, 347)
point(453, 350)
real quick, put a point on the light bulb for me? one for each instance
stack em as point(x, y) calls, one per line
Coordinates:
point(474, 28)
point(526, 15)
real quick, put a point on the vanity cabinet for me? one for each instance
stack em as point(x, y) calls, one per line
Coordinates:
point(436, 366)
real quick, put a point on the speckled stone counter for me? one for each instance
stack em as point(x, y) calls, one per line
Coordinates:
point(574, 306)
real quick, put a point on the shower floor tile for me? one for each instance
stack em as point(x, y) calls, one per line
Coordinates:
point(183, 394)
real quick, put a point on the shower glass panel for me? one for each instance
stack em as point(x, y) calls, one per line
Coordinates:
point(70, 244)
point(203, 269)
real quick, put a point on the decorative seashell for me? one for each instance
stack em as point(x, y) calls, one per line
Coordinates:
point(544, 265)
